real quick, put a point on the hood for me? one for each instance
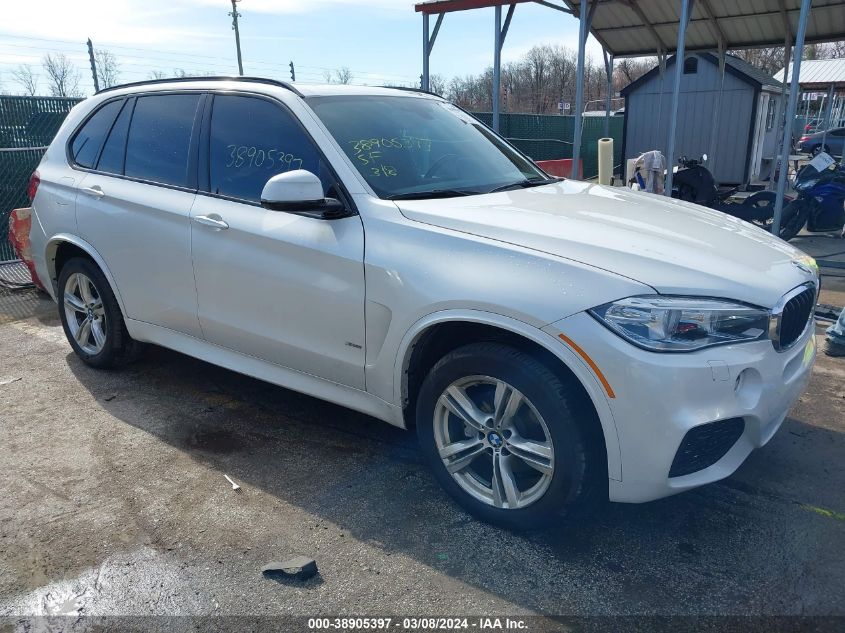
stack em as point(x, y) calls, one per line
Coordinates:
point(674, 247)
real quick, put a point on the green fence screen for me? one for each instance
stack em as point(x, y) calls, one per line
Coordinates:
point(549, 137)
point(27, 126)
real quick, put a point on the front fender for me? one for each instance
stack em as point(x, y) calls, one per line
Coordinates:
point(567, 356)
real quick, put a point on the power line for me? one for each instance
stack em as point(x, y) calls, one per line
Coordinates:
point(182, 55)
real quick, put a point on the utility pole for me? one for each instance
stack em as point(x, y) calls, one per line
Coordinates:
point(235, 15)
point(93, 65)
point(292, 72)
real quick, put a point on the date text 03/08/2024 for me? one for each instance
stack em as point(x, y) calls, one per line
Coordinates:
point(418, 624)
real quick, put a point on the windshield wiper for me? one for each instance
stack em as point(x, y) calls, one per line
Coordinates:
point(522, 184)
point(434, 193)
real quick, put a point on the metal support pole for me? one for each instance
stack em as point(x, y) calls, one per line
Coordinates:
point(608, 69)
point(827, 115)
point(676, 93)
point(790, 113)
point(428, 45)
point(584, 15)
point(661, 69)
point(235, 15)
point(94, 66)
point(717, 110)
point(497, 66)
point(426, 52)
point(787, 48)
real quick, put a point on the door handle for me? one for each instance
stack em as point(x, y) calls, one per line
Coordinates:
point(95, 191)
point(215, 223)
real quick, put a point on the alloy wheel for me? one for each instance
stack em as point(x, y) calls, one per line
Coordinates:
point(85, 314)
point(493, 442)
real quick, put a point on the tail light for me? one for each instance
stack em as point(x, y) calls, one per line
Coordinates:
point(32, 188)
point(803, 138)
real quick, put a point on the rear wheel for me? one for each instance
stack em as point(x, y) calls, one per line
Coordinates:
point(506, 437)
point(818, 149)
point(91, 317)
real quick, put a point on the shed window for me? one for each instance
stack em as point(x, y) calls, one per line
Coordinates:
point(691, 65)
point(770, 114)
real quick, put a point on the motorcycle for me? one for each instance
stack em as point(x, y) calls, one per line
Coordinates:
point(693, 182)
point(821, 199)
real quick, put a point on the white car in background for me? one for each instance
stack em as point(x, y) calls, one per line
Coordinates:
point(552, 342)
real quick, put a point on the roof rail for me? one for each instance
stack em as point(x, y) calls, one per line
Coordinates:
point(152, 82)
point(408, 89)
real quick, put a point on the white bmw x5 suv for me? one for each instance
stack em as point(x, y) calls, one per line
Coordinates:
point(553, 342)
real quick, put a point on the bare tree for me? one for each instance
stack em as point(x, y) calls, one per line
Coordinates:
point(158, 74)
point(833, 50)
point(328, 76)
point(629, 70)
point(108, 70)
point(437, 84)
point(769, 59)
point(26, 79)
point(343, 75)
point(62, 75)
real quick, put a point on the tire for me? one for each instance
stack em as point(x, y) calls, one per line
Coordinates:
point(793, 219)
point(818, 149)
point(85, 296)
point(759, 208)
point(553, 418)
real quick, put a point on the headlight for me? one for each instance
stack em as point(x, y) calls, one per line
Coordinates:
point(682, 324)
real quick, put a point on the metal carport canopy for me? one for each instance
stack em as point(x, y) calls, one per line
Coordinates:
point(633, 28)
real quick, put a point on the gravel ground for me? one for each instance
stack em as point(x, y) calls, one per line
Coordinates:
point(116, 504)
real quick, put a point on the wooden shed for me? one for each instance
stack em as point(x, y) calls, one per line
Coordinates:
point(729, 116)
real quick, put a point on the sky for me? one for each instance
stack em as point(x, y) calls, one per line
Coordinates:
point(379, 40)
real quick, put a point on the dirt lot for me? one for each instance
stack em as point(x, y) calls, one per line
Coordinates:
point(115, 503)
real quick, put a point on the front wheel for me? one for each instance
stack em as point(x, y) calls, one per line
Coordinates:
point(507, 438)
point(793, 218)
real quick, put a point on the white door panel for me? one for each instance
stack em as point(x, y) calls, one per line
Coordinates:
point(143, 234)
point(281, 287)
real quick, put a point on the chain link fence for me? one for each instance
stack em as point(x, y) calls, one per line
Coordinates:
point(27, 126)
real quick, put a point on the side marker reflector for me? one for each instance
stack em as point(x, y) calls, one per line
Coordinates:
point(589, 362)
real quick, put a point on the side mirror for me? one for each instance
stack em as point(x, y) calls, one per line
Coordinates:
point(300, 191)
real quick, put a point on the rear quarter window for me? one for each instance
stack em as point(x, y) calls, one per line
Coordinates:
point(87, 142)
point(114, 150)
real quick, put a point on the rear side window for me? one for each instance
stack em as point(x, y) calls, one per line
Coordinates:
point(111, 159)
point(159, 138)
point(253, 139)
point(89, 139)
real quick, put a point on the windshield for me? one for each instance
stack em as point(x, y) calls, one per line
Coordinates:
point(413, 147)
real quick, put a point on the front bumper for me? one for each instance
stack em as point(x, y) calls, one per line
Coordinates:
point(659, 397)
